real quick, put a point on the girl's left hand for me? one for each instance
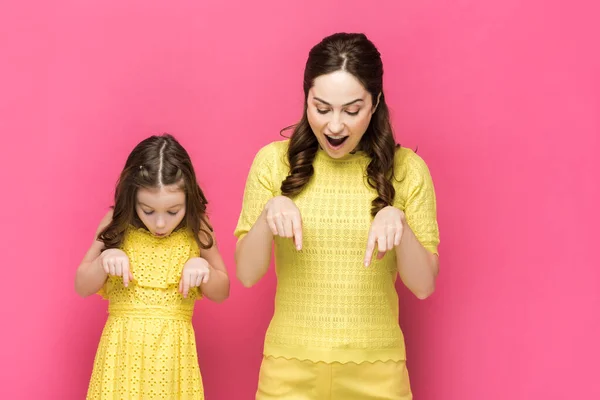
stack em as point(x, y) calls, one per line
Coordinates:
point(195, 272)
point(386, 232)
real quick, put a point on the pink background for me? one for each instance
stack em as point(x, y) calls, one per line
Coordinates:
point(502, 99)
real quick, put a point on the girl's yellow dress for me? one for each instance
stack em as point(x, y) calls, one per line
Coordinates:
point(148, 348)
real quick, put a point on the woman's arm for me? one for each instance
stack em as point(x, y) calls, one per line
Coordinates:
point(417, 266)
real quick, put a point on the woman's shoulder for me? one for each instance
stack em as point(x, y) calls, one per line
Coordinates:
point(273, 154)
point(408, 163)
point(408, 157)
point(275, 148)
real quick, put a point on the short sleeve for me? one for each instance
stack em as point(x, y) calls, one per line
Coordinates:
point(260, 187)
point(419, 200)
point(105, 289)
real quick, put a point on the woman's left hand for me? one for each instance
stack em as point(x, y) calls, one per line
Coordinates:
point(195, 272)
point(385, 233)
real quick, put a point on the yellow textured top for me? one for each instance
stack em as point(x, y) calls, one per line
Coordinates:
point(328, 306)
point(156, 264)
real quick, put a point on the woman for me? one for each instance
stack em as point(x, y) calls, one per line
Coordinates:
point(334, 194)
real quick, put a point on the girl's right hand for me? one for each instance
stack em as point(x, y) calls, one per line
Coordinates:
point(115, 262)
point(284, 219)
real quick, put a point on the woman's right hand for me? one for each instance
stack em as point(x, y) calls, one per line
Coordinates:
point(115, 262)
point(284, 219)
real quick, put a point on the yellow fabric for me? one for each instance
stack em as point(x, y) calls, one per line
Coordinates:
point(282, 379)
point(328, 306)
point(148, 347)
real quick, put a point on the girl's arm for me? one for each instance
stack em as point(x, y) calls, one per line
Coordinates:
point(217, 287)
point(90, 276)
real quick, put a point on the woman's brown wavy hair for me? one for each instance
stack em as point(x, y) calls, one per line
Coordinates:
point(357, 55)
point(156, 162)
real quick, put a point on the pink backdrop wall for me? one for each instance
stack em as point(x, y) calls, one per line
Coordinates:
point(502, 99)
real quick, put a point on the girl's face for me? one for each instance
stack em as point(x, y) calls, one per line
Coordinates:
point(161, 209)
point(339, 110)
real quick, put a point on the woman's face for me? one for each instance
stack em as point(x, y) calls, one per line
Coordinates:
point(339, 111)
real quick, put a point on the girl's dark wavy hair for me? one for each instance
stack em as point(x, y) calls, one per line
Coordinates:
point(155, 162)
point(357, 55)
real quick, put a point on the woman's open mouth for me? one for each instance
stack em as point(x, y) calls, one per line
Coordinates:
point(336, 141)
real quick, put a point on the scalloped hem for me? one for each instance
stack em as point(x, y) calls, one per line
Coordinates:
point(330, 356)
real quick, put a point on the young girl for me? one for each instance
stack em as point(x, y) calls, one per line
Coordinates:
point(154, 255)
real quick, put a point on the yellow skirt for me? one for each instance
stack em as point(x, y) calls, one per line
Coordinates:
point(285, 379)
point(146, 358)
